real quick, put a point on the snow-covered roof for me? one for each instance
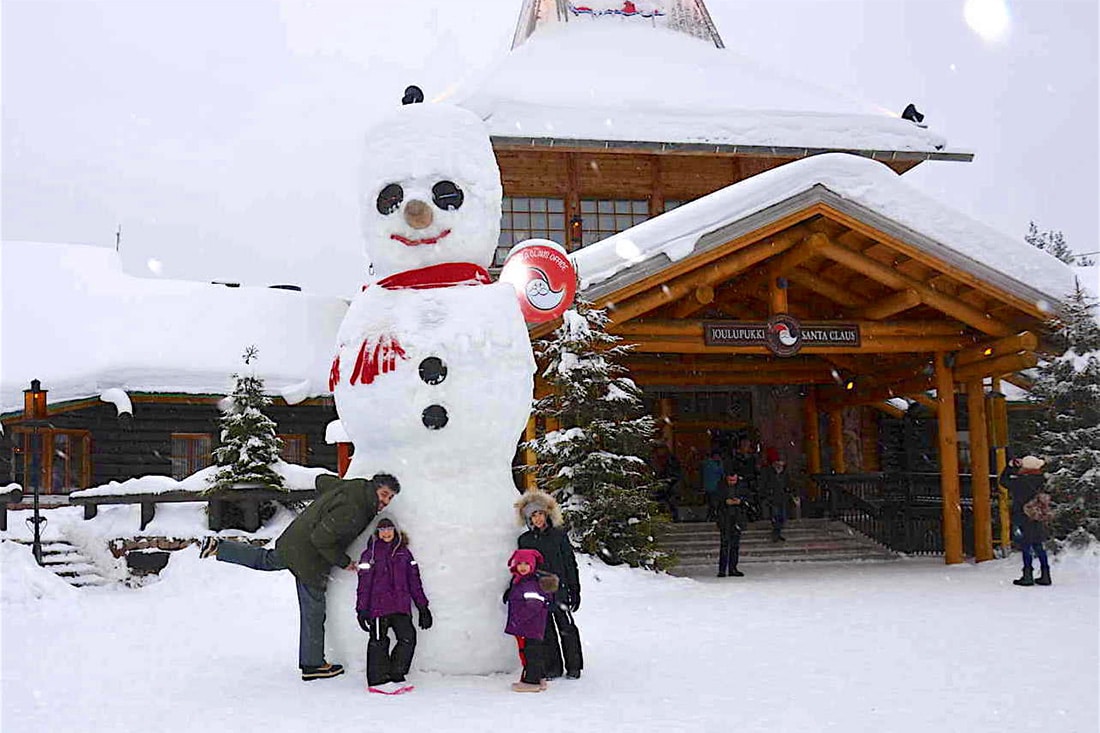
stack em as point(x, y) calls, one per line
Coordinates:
point(866, 189)
point(74, 320)
point(610, 78)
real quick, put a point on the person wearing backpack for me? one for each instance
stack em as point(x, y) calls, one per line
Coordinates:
point(1024, 480)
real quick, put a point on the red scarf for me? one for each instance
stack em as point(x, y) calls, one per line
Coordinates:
point(445, 275)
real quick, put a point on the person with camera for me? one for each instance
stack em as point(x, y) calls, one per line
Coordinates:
point(731, 520)
point(1023, 477)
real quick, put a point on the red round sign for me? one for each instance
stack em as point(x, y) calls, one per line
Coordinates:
point(544, 278)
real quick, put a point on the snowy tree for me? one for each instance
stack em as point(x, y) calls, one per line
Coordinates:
point(1066, 425)
point(1054, 243)
point(249, 446)
point(595, 461)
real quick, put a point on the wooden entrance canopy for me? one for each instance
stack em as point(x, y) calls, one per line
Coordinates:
point(930, 322)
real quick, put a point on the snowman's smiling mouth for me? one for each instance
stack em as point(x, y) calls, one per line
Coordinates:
point(417, 242)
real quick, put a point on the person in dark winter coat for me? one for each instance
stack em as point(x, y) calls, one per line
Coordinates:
point(540, 513)
point(314, 543)
point(730, 523)
point(743, 463)
point(529, 596)
point(775, 490)
point(389, 585)
point(1024, 480)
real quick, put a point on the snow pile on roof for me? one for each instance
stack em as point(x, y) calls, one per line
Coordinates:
point(981, 249)
point(73, 319)
point(609, 78)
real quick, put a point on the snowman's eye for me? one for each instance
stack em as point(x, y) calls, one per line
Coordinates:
point(447, 195)
point(389, 199)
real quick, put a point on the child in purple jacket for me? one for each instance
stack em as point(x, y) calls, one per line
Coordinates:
point(389, 584)
point(528, 598)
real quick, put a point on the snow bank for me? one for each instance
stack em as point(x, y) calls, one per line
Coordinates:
point(23, 581)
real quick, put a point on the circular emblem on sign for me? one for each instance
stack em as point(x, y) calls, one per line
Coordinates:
point(783, 335)
point(544, 278)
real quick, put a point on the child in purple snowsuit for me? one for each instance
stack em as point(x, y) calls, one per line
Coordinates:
point(528, 597)
point(389, 584)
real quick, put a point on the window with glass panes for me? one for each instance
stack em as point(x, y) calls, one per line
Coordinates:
point(602, 218)
point(64, 458)
point(294, 449)
point(529, 218)
point(190, 453)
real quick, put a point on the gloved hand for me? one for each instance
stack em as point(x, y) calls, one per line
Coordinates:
point(425, 621)
point(574, 599)
point(364, 620)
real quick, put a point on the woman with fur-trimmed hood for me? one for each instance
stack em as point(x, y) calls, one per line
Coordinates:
point(540, 513)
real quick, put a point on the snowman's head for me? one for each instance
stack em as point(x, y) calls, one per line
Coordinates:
point(430, 190)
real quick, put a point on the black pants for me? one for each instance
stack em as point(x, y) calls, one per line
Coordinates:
point(562, 629)
point(729, 548)
point(383, 665)
point(532, 652)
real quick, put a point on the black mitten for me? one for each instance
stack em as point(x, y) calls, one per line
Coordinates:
point(425, 621)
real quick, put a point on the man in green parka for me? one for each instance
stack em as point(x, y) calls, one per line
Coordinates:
point(314, 543)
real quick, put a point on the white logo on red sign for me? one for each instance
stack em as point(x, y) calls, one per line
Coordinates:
point(544, 278)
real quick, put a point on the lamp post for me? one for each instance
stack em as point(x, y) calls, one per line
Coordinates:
point(34, 416)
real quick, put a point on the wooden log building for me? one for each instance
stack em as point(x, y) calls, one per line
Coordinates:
point(812, 302)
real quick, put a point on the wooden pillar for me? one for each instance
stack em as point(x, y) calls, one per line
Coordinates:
point(999, 417)
point(979, 471)
point(530, 480)
point(664, 418)
point(836, 440)
point(949, 461)
point(812, 438)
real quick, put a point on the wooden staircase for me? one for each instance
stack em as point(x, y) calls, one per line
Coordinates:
point(808, 540)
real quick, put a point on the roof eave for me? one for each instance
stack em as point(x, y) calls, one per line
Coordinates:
point(501, 142)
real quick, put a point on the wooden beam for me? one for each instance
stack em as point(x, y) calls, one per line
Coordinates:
point(948, 441)
point(712, 379)
point(699, 299)
point(1023, 341)
point(710, 274)
point(837, 398)
point(530, 480)
point(832, 291)
point(898, 345)
point(1000, 460)
point(922, 398)
point(890, 277)
point(652, 327)
point(888, 409)
point(1019, 380)
point(979, 471)
point(836, 441)
point(811, 435)
point(997, 366)
point(777, 297)
point(891, 305)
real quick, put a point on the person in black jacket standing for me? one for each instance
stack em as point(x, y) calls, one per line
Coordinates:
point(730, 522)
point(539, 512)
point(1023, 478)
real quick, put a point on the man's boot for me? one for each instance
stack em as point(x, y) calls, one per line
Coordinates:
point(1025, 579)
point(1044, 577)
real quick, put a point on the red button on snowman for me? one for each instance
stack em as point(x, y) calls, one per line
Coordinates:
point(433, 374)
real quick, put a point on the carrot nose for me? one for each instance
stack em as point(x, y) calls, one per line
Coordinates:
point(418, 214)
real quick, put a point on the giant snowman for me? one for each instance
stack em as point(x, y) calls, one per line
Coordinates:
point(433, 381)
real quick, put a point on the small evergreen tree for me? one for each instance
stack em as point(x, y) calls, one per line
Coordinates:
point(1054, 243)
point(1066, 425)
point(249, 446)
point(596, 461)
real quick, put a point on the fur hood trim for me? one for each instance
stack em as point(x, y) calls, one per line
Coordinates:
point(533, 499)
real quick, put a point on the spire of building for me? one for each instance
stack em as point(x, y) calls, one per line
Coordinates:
point(686, 16)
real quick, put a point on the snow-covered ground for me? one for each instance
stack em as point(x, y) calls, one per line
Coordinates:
point(906, 646)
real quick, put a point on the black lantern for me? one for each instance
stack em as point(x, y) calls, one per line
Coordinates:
point(35, 413)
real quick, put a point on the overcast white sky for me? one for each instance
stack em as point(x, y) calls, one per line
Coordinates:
point(224, 136)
